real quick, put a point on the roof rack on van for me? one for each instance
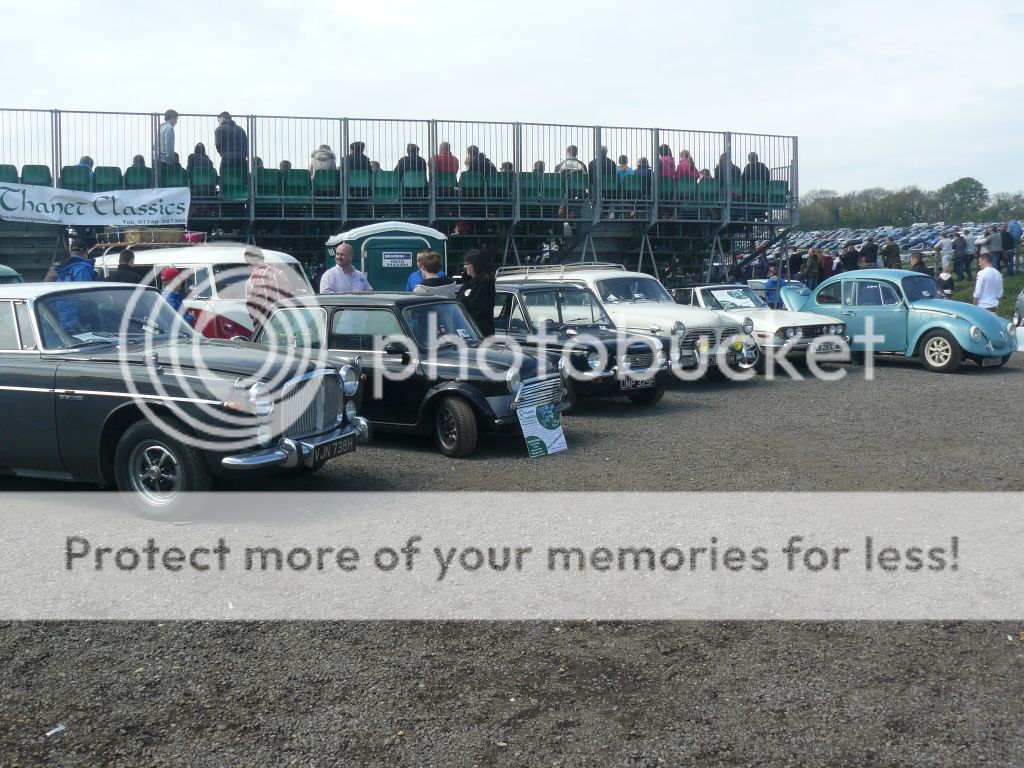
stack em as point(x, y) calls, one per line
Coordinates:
point(546, 270)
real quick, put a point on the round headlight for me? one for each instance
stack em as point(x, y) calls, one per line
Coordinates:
point(798, 331)
point(260, 401)
point(563, 368)
point(790, 333)
point(678, 329)
point(1010, 330)
point(593, 359)
point(349, 380)
point(748, 326)
point(975, 333)
point(514, 382)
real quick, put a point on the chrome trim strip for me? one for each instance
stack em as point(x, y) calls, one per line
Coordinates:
point(111, 394)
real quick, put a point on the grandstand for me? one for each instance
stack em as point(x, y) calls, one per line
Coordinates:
point(507, 195)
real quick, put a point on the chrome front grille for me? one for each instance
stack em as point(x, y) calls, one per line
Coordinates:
point(638, 361)
point(812, 331)
point(311, 404)
point(546, 390)
point(692, 337)
point(730, 331)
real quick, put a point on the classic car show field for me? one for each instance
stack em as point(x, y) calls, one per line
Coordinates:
point(568, 694)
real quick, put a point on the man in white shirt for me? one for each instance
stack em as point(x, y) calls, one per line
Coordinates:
point(343, 277)
point(165, 139)
point(989, 288)
point(945, 249)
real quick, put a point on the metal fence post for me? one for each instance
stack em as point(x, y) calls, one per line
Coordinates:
point(794, 205)
point(517, 161)
point(597, 181)
point(432, 168)
point(727, 171)
point(154, 136)
point(343, 154)
point(55, 128)
point(655, 166)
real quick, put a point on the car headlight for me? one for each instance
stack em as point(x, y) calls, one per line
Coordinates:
point(975, 333)
point(349, 380)
point(514, 382)
point(593, 359)
point(790, 333)
point(563, 368)
point(1010, 330)
point(678, 329)
point(260, 402)
point(748, 326)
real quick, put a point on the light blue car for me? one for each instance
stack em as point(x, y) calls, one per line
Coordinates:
point(908, 310)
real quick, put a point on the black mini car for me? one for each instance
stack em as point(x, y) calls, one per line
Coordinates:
point(569, 320)
point(428, 369)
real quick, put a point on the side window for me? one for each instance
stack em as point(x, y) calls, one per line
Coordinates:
point(829, 294)
point(849, 292)
point(869, 294)
point(199, 285)
point(8, 328)
point(28, 333)
point(355, 329)
point(508, 314)
point(889, 295)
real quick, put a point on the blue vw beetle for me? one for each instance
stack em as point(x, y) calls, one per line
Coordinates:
point(909, 311)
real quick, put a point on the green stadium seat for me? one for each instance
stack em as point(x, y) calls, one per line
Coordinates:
point(37, 175)
point(203, 182)
point(107, 178)
point(173, 177)
point(552, 190)
point(472, 184)
point(295, 183)
point(499, 185)
point(234, 185)
point(268, 182)
point(666, 188)
point(757, 191)
point(737, 188)
point(141, 177)
point(359, 183)
point(610, 188)
point(686, 189)
point(76, 177)
point(709, 192)
point(446, 184)
point(529, 186)
point(577, 184)
point(385, 187)
point(327, 183)
point(635, 187)
point(778, 191)
point(414, 184)
point(8, 174)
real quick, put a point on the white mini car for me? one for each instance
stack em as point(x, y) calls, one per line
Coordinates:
point(638, 303)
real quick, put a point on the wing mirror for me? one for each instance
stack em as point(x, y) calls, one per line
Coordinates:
point(397, 348)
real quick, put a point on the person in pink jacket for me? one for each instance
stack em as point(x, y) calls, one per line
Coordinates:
point(686, 168)
point(666, 163)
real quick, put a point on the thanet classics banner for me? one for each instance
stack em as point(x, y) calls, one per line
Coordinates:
point(135, 207)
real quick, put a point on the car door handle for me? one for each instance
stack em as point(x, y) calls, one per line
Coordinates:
point(849, 314)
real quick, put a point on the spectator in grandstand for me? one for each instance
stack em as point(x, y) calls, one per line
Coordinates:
point(643, 170)
point(177, 160)
point(257, 162)
point(890, 254)
point(1009, 250)
point(666, 163)
point(478, 161)
point(988, 289)
point(86, 162)
point(411, 162)
point(232, 143)
point(266, 285)
point(507, 167)
point(125, 272)
point(138, 162)
point(284, 166)
point(432, 278)
point(343, 277)
point(322, 159)
point(477, 292)
point(622, 170)
point(571, 163)
point(165, 139)
point(356, 159)
point(374, 167)
point(606, 164)
point(756, 172)
point(444, 161)
point(198, 159)
point(686, 168)
point(726, 169)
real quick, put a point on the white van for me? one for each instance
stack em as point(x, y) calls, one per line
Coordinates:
point(213, 282)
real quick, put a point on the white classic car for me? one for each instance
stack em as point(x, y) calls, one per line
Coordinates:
point(798, 332)
point(638, 303)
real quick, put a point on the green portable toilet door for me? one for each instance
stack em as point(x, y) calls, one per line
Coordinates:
point(390, 259)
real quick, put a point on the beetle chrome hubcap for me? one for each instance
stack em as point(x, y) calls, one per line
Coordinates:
point(446, 427)
point(155, 472)
point(938, 351)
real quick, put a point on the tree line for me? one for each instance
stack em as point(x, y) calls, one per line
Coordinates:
point(965, 199)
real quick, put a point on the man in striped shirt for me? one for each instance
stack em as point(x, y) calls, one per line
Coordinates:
point(266, 285)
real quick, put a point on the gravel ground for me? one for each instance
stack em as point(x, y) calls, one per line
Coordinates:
point(606, 694)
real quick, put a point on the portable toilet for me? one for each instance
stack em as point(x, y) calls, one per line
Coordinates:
point(386, 252)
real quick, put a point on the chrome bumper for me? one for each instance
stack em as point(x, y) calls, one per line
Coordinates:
point(290, 452)
point(689, 359)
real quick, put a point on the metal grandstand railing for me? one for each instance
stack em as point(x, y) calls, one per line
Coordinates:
point(356, 169)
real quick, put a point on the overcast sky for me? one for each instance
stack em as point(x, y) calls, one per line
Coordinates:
point(880, 93)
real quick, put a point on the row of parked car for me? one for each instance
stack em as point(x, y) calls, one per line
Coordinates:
point(108, 384)
point(918, 236)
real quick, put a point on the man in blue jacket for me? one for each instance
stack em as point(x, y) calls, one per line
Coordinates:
point(74, 269)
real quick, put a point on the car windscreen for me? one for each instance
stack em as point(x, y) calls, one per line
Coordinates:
point(440, 322)
point(303, 327)
point(921, 287)
point(231, 279)
point(564, 307)
point(73, 319)
point(615, 289)
point(731, 298)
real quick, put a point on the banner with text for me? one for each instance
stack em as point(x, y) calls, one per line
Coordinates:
point(120, 208)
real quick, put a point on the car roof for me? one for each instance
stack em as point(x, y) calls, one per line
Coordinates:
point(217, 253)
point(28, 291)
point(368, 299)
point(890, 274)
point(6, 271)
point(531, 285)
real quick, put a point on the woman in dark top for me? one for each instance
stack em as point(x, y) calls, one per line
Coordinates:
point(477, 291)
point(199, 158)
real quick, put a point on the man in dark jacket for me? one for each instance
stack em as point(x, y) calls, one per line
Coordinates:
point(850, 258)
point(756, 171)
point(412, 161)
point(125, 272)
point(960, 255)
point(891, 255)
point(1009, 250)
point(608, 168)
point(869, 253)
point(232, 143)
point(356, 159)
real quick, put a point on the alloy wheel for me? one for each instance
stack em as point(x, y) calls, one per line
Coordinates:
point(155, 472)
